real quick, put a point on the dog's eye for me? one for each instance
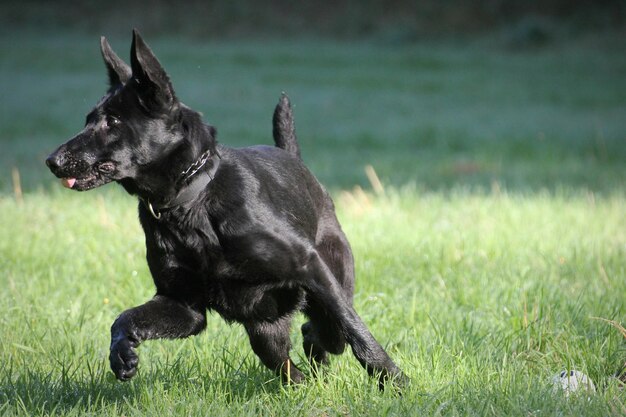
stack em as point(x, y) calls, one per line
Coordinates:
point(113, 121)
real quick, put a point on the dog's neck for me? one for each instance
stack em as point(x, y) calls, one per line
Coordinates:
point(184, 171)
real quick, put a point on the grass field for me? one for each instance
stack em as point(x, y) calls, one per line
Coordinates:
point(485, 268)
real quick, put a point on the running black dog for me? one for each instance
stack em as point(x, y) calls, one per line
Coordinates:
point(249, 233)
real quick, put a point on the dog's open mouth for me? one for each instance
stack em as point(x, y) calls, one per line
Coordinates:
point(87, 178)
point(84, 183)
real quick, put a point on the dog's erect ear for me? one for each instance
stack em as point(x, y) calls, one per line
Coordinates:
point(154, 83)
point(119, 71)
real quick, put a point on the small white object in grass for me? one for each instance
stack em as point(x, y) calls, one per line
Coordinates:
point(572, 381)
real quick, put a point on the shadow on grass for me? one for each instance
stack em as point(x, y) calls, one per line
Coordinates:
point(82, 388)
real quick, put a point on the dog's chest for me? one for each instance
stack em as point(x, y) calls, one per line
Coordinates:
point(244, 277)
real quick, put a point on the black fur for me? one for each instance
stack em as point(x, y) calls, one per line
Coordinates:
point(283, 127)
point(257, 244)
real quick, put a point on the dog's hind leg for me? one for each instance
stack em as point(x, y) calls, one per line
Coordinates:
point(325, 290)
point(270, 341)
point(322, 335)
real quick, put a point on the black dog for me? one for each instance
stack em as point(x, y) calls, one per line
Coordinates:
point(249, 233)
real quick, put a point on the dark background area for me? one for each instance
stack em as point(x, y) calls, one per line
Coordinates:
point(398, 20)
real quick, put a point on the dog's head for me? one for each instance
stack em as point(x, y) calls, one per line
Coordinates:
point(130, 131)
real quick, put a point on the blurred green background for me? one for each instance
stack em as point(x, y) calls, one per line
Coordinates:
point(517, 95)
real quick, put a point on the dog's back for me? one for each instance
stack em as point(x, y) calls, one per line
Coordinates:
point(283, 127)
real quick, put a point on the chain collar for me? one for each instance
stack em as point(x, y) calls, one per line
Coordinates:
point(195, 167)
point(191, 187)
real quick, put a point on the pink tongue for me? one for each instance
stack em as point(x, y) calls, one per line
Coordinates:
point(68, 182)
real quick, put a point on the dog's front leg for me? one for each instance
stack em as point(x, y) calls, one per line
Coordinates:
point(161, 317)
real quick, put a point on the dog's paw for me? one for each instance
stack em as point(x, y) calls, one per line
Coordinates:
point(123, 359)
point(398, 381)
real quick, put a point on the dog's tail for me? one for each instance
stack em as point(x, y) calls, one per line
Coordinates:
point(284, 128)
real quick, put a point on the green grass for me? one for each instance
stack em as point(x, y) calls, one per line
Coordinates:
point(483, 269)
point(480, 299)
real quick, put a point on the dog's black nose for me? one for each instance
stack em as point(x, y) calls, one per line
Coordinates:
point(55, 160)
